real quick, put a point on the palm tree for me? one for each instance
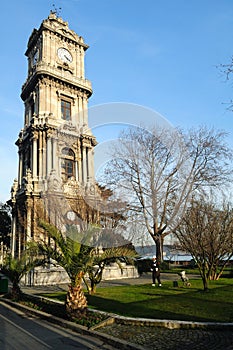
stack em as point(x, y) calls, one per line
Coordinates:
point(16, 268)
point(73, 256)
point(98, 261)
point(79, 259)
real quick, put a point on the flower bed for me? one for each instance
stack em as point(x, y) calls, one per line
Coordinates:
point(88, 319)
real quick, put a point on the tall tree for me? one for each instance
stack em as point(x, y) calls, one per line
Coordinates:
point(161, 169)
point(206, 232)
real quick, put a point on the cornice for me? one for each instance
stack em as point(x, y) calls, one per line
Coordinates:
point(44, 70)
point(86, 138)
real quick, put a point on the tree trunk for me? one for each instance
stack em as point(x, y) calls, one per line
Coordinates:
point(159, 255)
point(16, 291)
point(93, 288)
point(76, 302)
point(205, 283)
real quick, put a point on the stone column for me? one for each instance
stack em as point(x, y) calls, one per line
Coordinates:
point(29, 223)
point(44, 149)
point(40, 152)
point(87, 163)
point(85, 110)
point(49, 154)
point(80, 168)
point(76, 171)
point(20, 168)
point(80, 111)
point(54, 155)
point(34, 156)
point(77, 62)
point(44, 45)
point(91, 163)
point(13, 232)
point(84, 164)
point(82, 72)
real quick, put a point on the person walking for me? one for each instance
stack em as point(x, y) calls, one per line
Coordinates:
point(155, 272)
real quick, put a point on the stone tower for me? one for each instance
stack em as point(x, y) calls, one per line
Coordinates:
point(55, 147)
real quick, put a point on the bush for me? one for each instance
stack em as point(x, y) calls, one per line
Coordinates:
point(165, 265)
point(143, 265)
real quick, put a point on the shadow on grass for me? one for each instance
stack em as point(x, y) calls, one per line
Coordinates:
point(139, 309)
point(168, 302)
point(183, 304)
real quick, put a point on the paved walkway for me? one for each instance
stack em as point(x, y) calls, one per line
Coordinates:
point(161, 338)
point(143, 279)
point(158, 338)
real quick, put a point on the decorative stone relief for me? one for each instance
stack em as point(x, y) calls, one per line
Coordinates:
point(14, 189)
point(54, 182)
point(27, 182)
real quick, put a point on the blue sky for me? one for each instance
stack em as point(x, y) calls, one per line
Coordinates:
point(161, 54)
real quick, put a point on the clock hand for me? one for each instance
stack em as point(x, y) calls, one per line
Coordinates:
point(68, 59)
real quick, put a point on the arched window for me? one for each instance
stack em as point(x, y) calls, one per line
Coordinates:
point(67, 163)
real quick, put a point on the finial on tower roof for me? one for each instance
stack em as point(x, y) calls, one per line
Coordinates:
point(56, 11)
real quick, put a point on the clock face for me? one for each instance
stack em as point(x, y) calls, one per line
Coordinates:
point(71, 215)
point(64, 55)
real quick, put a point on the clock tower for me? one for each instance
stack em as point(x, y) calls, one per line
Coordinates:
point(55, 147)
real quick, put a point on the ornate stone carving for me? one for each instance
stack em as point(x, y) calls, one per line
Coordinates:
point(90, 189)
point(54, 182)
point(27, 183)
point(14, 189)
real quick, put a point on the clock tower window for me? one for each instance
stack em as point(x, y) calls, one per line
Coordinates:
point(67, 163)
point(65, 110)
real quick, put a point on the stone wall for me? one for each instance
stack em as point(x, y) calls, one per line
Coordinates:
point(54, 275)
point(114, 272)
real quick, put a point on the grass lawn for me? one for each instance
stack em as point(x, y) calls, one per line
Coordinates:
point(167, 302)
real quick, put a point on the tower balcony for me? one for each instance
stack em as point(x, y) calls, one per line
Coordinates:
point(60, 73)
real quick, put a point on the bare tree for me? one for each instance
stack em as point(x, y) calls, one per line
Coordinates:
point(161, 169)
point(206, 232)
